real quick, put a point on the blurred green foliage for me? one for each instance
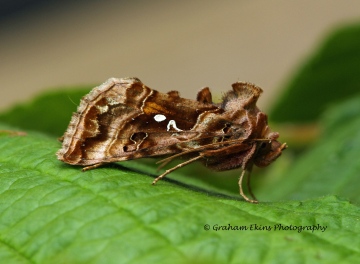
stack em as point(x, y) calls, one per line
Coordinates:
point(330, 75)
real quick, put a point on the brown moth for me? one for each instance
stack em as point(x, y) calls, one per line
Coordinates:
point(123, 119)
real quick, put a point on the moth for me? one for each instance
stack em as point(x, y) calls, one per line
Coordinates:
point(123, 119)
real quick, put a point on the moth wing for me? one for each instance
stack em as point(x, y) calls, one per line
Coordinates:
point(204, 96)
point(123, 119)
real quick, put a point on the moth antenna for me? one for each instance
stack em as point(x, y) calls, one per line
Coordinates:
point(248, 185)
point(13, 133)
point(168, 159)
point(164, 163)
point(174, 168)
point(261, 139)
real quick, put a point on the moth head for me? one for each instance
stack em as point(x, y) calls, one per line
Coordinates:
point(268, 151)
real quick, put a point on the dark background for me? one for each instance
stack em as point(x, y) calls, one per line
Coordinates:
point(182, 45)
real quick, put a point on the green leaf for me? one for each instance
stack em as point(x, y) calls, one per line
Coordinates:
point(331, 166)
point(331, 75)
point(49, 113)
point(51, 212)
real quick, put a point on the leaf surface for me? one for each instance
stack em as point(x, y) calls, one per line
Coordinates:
point(51, 212)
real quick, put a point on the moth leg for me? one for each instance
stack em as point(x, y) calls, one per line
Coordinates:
point(174, 168)
point(249, 187)
point(241, 189)
point(90, 167)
